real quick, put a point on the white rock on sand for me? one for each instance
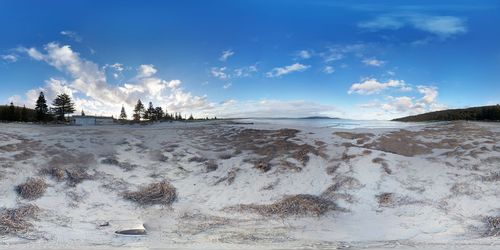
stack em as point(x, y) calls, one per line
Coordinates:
point(432, 186)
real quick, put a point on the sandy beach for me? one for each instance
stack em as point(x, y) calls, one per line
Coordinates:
point(234, 185)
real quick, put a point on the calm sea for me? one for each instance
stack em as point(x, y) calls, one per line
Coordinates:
point(332, 123)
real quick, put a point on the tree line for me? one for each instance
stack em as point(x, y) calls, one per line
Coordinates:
point(62, 105)
point(484, 113)
point(153, 113)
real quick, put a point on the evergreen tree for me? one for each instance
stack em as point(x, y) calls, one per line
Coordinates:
point(123, 115)
point(150, 112)
point(24, 114)
point(63, 105)
point(83, 113)
point(12, 113)
point(191, 117)
point(41, 108)
point(166, 115)
point(159, 113)
point(138, 111)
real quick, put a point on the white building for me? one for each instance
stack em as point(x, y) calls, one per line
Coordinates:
point(85, 120)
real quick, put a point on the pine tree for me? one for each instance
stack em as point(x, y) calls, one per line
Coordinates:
point(150, 112)
point(24, 114)
point(63, 105)
point(83, 113)
point(158, 113)
point(138, 111)
point(123, 115)
point(41, 108)
point(166, 115)
point(191, 117)
point(12, 112)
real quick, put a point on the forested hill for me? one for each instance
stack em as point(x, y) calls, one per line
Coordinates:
point(15, 113)
point(484, 113)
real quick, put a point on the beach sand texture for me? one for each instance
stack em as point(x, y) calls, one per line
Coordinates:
point(222, 184)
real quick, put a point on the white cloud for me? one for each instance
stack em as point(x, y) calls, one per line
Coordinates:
point(373, 62)
point(173, 84)
point(116, 68)
point(382, 22)
point(430, 93)
point(399, 106)
point(227, 85)
point(274, 108)
point(225, 55)
point(372, 86)
point(338, 52)
point(16, 100)
point(245, 71)
point(328, 70)
point(441, 26)
point(71, 34)
point(91, 91)
point(304, 54)
point(279, 71)
point(146, 70)
point(35, 54)
point(219, 73)
point(9, 57)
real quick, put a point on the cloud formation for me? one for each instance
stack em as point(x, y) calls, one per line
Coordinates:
point(424, 100)
point(90, 90)
point(328, 70)
point(279, 71)
point(275, 109)
point(304, 54)
point(226, 54)
point(441, 26)
point(10, 57)
point(373, 62)
point(220, 73)
point(371, 86)
point(71, 34)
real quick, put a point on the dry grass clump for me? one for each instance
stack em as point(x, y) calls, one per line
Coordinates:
point(385, 199)
point(491, 177)
point(162, 193)
point(124, 165)
point(211, 165)
point(32, 189)
point(197, 159)
point(55, 172)
point(72, 176)
point(225, 156)
point(492, 226)
point(76, 176)
point(15, 221)
point(263, 166)
point(384, 164)
point(229, 178)
point(296, 205)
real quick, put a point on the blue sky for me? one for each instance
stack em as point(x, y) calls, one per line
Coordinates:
point(352, 59)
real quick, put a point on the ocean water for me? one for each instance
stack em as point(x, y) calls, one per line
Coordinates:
point(331, 123)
